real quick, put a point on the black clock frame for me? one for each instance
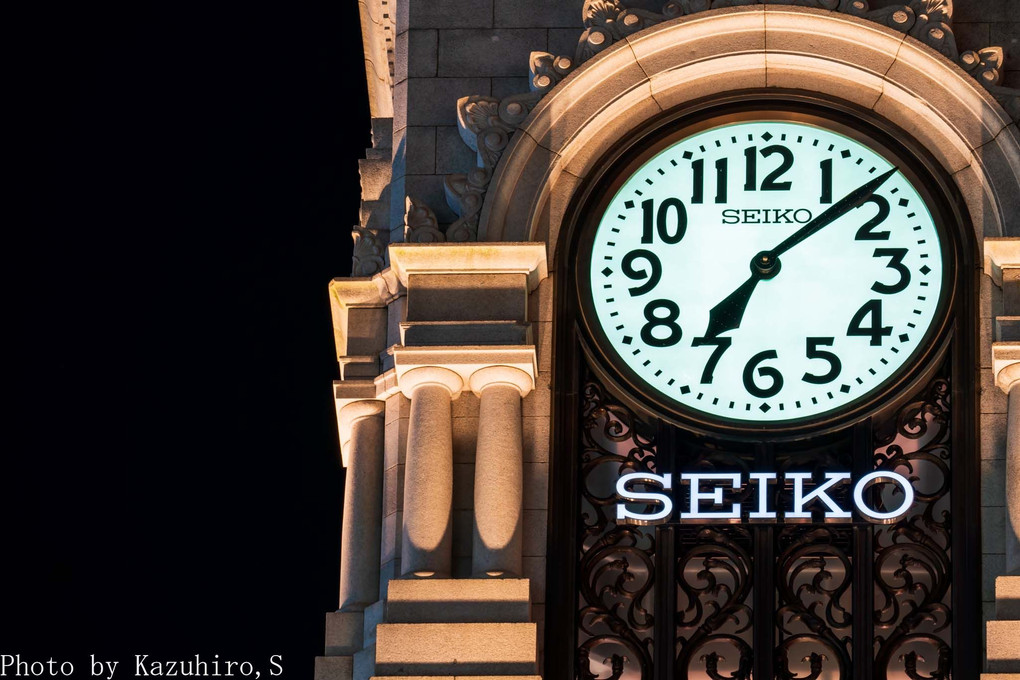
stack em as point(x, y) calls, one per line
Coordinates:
point(953, 339)
point(656, 135)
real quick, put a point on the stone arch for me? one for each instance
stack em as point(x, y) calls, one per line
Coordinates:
point(659, 69)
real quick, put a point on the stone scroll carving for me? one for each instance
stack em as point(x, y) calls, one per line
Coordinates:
point(486, 123)
point(420, 223)
point(369, 251)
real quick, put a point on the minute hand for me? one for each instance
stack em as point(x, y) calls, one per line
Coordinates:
point(854, 199)
point(726, 315)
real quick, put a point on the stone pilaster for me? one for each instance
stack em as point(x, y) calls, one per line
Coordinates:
point(499, 471)
point(1002, 264)
point(1007, 378)
point(426, 535)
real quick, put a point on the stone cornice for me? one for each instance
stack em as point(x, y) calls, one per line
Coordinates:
point(1001, 253)
point(470, 258)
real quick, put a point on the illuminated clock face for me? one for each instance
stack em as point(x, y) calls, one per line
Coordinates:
point(763, 272)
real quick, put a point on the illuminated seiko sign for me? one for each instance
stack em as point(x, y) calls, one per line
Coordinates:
point(706, 503)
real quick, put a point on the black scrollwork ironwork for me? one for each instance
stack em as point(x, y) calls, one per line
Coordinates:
point(617, 568)
point(815, 564)
point(713, 574)
point(815, 575)
point(913, 618)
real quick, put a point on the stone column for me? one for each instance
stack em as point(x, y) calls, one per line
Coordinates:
point(499, 472)
point(1013, 480)
point(361, 445)
point(1007, 377)
point(427, 533)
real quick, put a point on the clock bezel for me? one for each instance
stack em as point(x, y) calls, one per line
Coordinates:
point(589, 204)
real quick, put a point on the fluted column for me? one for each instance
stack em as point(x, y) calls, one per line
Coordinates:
point(361, 444)
point(499, 470)
point(427, 532)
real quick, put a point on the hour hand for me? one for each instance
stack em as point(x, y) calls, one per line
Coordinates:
point(726, 315)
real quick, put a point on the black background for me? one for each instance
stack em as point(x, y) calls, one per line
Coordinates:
point(184, 185)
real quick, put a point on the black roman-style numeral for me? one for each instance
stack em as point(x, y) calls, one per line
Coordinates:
point(872, 309)
point(896, 256)
point(867, 232)
point(655, 321)
point(721, 345)
point(813, 352)
point(653, 274)
point(770, 182)
point(669, 221)
point(698, 172)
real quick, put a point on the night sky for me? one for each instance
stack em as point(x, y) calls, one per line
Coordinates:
point(186, 182)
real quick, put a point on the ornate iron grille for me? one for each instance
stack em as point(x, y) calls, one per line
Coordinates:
point(809, 601)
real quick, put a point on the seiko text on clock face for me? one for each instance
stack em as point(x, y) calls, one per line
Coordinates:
point(765, 271)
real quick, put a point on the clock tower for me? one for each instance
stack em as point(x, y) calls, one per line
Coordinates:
point(681, 342)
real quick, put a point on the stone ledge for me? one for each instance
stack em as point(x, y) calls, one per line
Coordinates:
point(334, 668)
point(459, 601)
point(528, 259)
point(1000, 252)
point(456, 649)
point(429, 333)
point(1003, 651)
point(984, 676)
point(1007, 598)
point(344, 633)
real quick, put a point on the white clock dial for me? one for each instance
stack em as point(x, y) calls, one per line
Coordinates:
point(765, 271)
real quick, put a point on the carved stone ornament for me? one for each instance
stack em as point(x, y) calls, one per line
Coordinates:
point(369, 251)
point(420, 223)
point(486, 123)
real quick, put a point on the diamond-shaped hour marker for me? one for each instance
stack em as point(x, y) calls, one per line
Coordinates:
point(628, 204)
point(607, 271)
point(845, 153)
point(765, 407)
point(767, 136)
point(903, 202)
point(925, 269)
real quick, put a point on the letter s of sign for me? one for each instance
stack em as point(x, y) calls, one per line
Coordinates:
point(625, 516)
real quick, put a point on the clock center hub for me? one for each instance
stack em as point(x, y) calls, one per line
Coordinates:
point(766, 264)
